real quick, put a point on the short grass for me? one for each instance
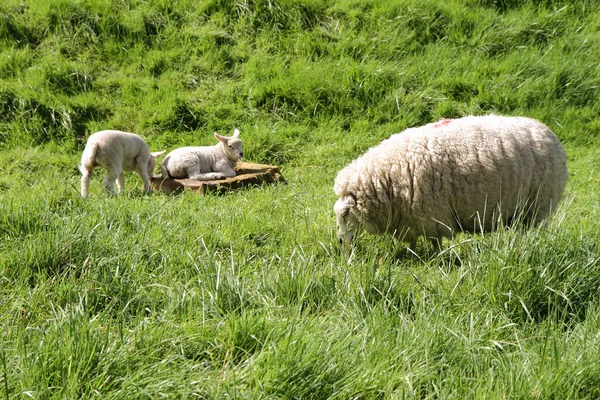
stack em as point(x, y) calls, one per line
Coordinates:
point(249, 295)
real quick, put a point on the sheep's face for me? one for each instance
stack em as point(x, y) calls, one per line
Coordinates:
point(231, 145)
point(348, 224)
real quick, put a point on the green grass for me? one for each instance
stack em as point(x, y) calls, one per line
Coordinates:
point(249, 295)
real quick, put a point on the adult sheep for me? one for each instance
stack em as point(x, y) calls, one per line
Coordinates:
point(451, 176)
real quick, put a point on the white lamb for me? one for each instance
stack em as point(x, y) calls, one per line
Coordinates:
point(451, 176)
point(116, 151)
point(205, 162)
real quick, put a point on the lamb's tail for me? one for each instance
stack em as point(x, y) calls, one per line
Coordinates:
point(88, 158)
point(164, 171)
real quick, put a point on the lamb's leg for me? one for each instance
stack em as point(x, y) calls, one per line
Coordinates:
point(146, 181)
point(121, 183)
point(85, 181)
point(111, 176)
point(143, 173)
point(228, 173)
point(207, 176)
point(210, 176)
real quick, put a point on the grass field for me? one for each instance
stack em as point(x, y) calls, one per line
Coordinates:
point(248, 295)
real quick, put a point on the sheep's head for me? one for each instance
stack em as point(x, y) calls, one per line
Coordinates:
point(348, 224)
point(231, 145)
point(152, 161)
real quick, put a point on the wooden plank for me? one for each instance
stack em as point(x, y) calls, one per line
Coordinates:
point(247, 174)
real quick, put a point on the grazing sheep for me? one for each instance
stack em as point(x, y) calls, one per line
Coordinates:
point(205, 163)
point(116, 151)
point(450, 176)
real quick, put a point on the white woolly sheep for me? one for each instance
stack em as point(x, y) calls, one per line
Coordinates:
point(116, 151)
point(451, 176)
point(205, 162)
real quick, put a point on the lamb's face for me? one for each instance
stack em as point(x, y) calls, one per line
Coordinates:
point(232, 145)
point(233, 149)
point(152, 161)
point(151, 165)
point(347, 222)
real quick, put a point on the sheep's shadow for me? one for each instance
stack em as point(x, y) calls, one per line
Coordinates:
point(449, 253)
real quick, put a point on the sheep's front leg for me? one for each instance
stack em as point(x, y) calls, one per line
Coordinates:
point(222, 173)
point(146, 182)
point(412, 246)
point(207, 176)
point(435, 243)
point(228, 172)
point(142, 170)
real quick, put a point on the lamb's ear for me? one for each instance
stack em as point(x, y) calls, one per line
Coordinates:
point(236, 133)
point(221, 138)
point(157, 154)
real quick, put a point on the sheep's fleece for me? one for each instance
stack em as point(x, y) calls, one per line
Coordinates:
point(450, 176)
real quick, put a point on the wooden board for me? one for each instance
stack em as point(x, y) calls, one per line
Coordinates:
point(247, 174)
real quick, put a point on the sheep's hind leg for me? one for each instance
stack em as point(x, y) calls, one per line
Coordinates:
point(111, 176)
point(85, 182)
point(121, 183)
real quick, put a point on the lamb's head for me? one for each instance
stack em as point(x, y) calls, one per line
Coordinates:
point(231, 145)
point(152, 161)
point(345, 212)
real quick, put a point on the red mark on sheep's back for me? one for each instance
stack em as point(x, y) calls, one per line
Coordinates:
point(442, 122)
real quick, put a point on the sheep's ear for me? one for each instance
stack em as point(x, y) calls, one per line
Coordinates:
point(236, 133)
point(343, 205)
point(157, 154)
point(350, 201)
point(221, 138)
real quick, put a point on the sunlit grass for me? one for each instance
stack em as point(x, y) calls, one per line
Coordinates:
point(249, 295)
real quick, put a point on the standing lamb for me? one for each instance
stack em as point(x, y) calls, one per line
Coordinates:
point(450, 176)
point(116, 151)
point(205, 162)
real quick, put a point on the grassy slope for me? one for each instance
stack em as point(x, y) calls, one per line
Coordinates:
point(248, 294)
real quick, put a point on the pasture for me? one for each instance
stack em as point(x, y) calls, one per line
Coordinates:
point(248, 294)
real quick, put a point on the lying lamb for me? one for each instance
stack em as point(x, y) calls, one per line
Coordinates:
point(205, 162)
point(116, 151)
point(451, 176)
